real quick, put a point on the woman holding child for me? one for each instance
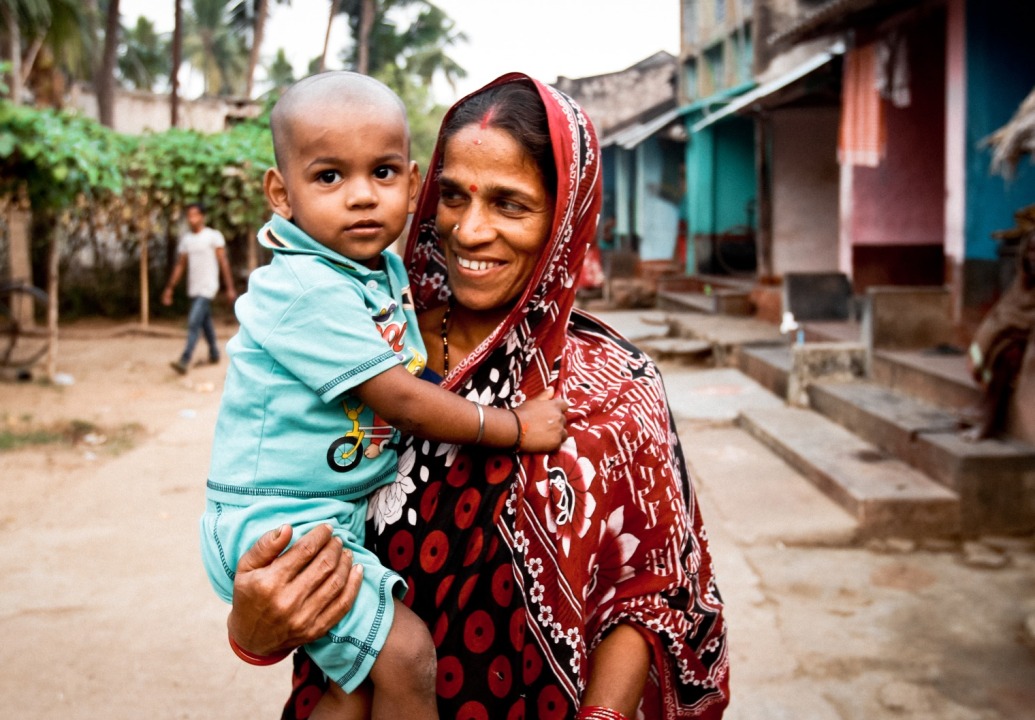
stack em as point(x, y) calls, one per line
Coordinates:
point(571, 584)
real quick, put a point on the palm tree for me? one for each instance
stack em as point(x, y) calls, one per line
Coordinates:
point(177, 60)
point(427, 39)
point(335, 9)
point(381, 48)
point(211, 46)
point(280, 73)
point(45, 40)
point(104, 78)
point(248, 17)
point(144, 57)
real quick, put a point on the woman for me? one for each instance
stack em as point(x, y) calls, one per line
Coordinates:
point(576, 582)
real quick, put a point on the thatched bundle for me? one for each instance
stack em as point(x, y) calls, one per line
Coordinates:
point(1015, 139)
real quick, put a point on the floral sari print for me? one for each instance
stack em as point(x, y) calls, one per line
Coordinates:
point(521, 564)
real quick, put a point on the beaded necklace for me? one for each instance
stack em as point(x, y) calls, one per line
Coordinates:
point(445, 339)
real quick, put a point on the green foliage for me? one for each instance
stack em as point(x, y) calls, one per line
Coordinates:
point(56, 157)
point(59, 158)
point(104, 195)
point(224, 171)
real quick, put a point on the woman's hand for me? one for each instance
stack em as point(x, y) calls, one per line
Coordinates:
point(543, 425)
point(284, 601)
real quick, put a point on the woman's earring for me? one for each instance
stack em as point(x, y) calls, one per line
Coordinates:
point(456, 228)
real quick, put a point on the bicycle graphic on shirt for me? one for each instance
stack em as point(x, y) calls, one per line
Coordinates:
point(345, 452)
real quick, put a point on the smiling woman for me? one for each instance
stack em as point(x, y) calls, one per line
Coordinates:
point(570, 584)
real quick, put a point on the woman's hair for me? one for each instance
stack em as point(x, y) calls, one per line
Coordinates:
point(517, 109)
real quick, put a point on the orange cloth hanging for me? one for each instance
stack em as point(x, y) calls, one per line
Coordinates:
point(863, 134)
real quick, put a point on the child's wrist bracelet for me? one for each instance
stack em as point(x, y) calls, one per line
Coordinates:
point(599, 712)
point(253, 659)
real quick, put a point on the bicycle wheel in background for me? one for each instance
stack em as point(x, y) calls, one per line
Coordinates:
point(23, 333)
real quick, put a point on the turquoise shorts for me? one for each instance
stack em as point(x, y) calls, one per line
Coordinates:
point(348, 651)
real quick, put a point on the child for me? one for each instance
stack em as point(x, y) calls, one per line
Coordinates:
point(322, 373)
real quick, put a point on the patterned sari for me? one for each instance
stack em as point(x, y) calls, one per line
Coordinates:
point(521, 564)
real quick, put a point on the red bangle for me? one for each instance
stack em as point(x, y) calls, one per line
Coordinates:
point(253, 659)
point(598, 712)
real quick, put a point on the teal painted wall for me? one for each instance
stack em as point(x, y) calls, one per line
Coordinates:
point(720, 167)
point(1000, 73)
point(735, 172)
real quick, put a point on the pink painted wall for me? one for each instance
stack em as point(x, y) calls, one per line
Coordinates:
point(902, 201)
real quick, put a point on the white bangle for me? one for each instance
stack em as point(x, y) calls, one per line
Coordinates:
point(481, 423)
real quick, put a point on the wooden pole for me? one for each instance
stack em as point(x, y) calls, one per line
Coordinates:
point(52, 305)
point(145, 283)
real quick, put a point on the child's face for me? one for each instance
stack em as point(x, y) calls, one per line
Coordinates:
point(348, 181)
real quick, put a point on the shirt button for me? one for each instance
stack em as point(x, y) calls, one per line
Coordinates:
point(372, 284)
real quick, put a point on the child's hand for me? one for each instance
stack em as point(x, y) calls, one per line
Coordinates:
point(543, 421)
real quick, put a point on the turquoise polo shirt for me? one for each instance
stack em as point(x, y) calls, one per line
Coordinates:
point(313, 326)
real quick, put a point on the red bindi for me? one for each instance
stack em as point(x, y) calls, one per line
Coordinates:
point(474, 188)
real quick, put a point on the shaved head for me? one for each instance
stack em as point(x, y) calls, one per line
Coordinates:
point(309, 98)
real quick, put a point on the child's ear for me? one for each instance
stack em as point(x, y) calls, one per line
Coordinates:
point(414, 186)
point(276, 193)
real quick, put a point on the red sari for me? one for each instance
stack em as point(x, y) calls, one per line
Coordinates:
point(521, 564)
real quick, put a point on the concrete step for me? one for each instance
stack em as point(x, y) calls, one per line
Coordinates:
point(720, 301)
point(995, 479)
point(768, 365)
point(677, 349)
point(887, 497)
point(939, 379)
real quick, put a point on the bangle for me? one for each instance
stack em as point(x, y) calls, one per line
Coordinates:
point(599, 712)
point(253, 659)
point(520, 432)
point(481, 423)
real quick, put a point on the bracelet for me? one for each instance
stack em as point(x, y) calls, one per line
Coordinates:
point(598, 712)
point(520, 432)
point(253, 659)
point(481, 423)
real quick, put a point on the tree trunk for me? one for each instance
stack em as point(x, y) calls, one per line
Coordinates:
point(14, 38)
point(177, 51)
point(335, 9)
point(366, 24)
point(257, 35)
point(19, 259)
point(106, 73)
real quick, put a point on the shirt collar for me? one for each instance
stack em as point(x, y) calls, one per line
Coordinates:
point(283, 236)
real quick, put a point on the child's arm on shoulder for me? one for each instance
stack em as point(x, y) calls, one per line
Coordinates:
point(417, 407)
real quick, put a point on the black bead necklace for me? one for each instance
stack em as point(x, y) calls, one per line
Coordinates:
point(445, 339)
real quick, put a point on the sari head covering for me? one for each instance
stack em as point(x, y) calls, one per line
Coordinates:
point(521, 563)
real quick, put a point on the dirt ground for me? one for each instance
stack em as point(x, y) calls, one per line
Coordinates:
point(105, 611)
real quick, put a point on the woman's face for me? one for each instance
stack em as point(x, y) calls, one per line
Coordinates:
point(494, 191)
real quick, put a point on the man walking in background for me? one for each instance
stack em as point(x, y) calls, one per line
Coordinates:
point(202, 255)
